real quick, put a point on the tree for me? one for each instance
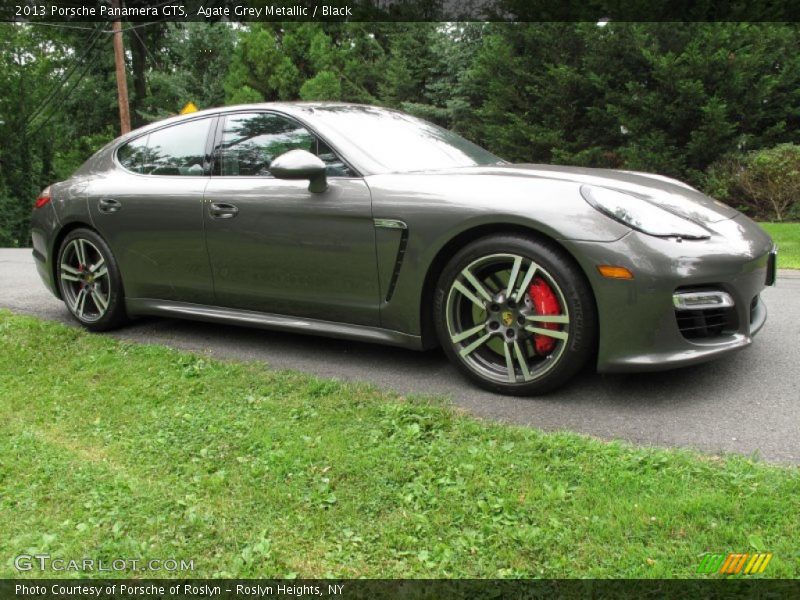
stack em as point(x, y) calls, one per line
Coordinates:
point(33, 67)
point(666, 97)
point(663, 97)
point(189, 63)
point(325, 85)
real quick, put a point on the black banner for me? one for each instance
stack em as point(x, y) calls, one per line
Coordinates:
point(77, 11)
point(403, 589)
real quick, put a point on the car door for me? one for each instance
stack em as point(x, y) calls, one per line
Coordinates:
point(275, 246)
point(150, 211)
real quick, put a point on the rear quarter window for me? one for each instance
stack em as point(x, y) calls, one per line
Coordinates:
point(131, 155)
point(175, 150)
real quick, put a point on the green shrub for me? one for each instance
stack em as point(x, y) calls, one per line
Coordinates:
point(14, 223)
point(764, 183)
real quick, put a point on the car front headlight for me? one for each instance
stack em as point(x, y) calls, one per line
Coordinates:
point(640, 214)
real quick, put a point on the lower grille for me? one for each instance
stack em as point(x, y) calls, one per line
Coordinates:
point(753, 305)
point(706, 323)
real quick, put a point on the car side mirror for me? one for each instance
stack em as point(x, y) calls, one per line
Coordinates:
point(301, 164)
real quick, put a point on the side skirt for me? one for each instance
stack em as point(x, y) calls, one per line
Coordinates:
point(248, 318)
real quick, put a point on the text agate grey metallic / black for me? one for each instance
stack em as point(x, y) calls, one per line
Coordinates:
point(368, 224)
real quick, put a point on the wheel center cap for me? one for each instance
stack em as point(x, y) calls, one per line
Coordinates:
point(508, 318)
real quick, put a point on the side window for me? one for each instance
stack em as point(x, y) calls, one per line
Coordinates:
point(176, 150)
point(131, 155)
point(251, 141)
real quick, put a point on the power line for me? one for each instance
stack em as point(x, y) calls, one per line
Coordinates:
point(57, 25)
point(155, 60)
point(87, 67)
point(49, 96)
point(92, 40)
point(163, 19)
point(62, 26)
point(132, 27)
point(43, 106)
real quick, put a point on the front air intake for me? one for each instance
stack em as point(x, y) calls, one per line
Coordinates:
point(704, 314)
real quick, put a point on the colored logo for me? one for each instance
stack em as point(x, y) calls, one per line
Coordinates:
point(734, 563)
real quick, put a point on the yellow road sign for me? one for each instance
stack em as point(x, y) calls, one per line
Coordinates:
point(189, 108)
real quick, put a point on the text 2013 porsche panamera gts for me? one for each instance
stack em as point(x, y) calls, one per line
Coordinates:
point(365, 223)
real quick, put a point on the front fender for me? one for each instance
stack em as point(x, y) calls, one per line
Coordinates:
point(440, 208)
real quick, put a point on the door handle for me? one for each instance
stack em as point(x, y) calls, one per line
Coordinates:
point(222, 210)
point(108, 205)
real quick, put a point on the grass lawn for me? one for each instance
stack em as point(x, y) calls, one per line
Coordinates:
point(787, 236)
point(111, 449)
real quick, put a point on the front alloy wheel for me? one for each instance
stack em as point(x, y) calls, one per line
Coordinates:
point(514, 315)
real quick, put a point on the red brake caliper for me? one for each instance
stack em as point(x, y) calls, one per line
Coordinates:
point(544, 303)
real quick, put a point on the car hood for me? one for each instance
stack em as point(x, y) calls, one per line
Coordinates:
point(670, 194)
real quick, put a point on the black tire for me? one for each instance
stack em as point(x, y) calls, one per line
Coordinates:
point(90, 285)
point(508, 361)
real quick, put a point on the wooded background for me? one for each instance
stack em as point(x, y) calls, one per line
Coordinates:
point(714, 104)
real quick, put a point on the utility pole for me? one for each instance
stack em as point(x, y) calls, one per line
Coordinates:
point(122, 80)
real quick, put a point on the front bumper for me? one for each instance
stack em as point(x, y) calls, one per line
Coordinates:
point(638, 326)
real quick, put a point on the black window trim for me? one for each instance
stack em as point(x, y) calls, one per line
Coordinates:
point(209, 146)
point(223, 117)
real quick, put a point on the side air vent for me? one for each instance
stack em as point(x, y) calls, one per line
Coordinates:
point(401, 253)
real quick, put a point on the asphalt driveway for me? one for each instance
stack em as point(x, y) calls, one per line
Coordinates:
point(747, 403)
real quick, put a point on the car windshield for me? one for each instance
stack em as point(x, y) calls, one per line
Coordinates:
point(402, 143)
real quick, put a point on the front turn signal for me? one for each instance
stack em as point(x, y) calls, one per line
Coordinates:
point(614, 272)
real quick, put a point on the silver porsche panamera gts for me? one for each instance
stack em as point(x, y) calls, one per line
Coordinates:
point(365, 223)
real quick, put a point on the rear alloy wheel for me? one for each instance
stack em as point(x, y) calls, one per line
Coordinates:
point(89, 281)
point(515, 315)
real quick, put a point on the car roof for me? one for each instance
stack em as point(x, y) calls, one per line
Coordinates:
point(290, 108)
